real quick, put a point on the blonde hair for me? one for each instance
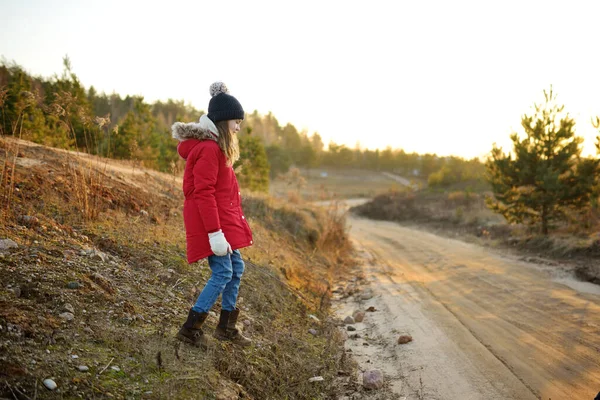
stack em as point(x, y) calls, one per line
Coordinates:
point(228, 142)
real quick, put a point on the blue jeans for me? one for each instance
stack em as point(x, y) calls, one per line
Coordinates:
point(225, 279)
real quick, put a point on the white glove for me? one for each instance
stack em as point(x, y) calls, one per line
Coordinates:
point(218, 243)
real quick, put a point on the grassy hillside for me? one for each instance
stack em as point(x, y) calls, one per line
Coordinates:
point(94, 286)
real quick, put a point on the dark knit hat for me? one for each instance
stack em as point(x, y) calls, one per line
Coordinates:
point(222, 105)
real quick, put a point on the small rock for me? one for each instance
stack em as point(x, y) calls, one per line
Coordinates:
point(144, 213)
point(366, 295)
point(371, 309)
point(16, 291)
point(372, 379)
point(67, 316)
point(316, 379)
point(73, 285)
point(359, 316)
point(405, 339)
point(97, 255)
point(83, 368)
point(247, 322)
point(6, 244)
point(69, 308)
point(312, 332)
point(348, 320)
point(115, 368)
point(88, 330)
point(351, 328)
point(74, 356)
point(50, 384)
point(355, 336)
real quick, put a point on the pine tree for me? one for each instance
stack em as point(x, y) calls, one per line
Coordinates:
point(135, 139)
point(544, 176)
point(253, 167)
point(279, 160)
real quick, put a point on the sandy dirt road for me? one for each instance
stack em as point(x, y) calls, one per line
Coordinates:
point(485, 325)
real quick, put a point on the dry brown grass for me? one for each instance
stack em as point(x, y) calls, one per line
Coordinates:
point(85, 177)
point(318, 237)
point(7, 178)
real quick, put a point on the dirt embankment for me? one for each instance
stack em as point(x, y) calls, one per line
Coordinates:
point(94, 286)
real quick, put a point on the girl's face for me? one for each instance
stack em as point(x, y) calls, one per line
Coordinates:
point(234, 125)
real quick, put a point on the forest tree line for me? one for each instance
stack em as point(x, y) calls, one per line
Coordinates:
point(60, 112)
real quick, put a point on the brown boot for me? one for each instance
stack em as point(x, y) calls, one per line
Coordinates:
point(226, 329)
point(191, 331)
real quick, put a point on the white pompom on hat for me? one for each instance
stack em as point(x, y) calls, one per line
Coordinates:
point(218, 88)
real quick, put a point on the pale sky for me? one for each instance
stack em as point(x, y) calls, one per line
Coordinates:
point(445, 77)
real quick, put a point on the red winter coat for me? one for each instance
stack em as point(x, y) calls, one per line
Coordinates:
point(212, 194)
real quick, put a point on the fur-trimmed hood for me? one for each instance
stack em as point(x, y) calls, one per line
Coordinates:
point(193, 130)
point(201, 130)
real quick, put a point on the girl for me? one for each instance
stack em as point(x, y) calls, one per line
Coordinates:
point(214, 221)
